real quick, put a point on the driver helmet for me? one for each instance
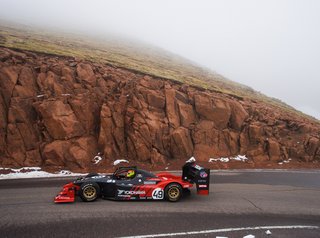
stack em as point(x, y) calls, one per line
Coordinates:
point(130, 173)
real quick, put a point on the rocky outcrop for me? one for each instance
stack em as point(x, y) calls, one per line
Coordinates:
point(58, 112)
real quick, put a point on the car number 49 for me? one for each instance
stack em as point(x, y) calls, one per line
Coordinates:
point(157, 193)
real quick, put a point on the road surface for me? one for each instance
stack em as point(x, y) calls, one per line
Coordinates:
point(241, 203)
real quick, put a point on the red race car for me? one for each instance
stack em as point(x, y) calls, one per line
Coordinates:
point(131, 183)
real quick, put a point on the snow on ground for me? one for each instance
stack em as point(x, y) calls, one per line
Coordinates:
point(33, 172)
point(241, 158)
point(192, 159)
point(285, 162)
point(118, 161)
point(97, 159)
point(268, 232)
point(249, 236)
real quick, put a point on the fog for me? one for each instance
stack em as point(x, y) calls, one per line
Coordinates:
point(271, 46)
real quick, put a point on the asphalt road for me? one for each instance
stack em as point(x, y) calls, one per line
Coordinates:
point(287, 203)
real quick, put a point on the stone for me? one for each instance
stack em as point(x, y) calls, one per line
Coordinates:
point(59, 120)
point(187, 115)
point(273, 149)
point(238, 115)
point(86, 74)
point(172, 108)
point(181, 144)
point(213, 109)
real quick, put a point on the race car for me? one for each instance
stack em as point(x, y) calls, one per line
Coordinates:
point(131, 183)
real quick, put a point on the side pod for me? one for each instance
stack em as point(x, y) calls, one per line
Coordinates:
point(196, 174)
point(67, 194)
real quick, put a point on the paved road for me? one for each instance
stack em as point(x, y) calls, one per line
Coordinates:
point(278, 201)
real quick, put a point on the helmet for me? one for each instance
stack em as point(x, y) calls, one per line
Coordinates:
point(130, 173)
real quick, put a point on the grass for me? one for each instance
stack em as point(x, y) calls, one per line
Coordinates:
point(134, 56)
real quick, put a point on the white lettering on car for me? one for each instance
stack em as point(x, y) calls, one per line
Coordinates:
point(126, 192)
point(157, 194)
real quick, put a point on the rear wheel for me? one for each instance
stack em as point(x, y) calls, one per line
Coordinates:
point(173, 192)
point(89, 192)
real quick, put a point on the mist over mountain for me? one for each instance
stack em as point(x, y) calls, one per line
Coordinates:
point(270, 46)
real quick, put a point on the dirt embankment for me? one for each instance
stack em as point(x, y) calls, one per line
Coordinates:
point(58, 112)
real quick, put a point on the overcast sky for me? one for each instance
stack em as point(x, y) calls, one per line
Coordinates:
point(272, 45)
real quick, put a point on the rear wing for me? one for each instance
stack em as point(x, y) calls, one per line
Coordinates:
point(194, 173)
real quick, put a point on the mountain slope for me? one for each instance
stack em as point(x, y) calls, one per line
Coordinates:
point(62, 102)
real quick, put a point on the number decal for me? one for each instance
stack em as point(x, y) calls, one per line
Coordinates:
point(157, 193)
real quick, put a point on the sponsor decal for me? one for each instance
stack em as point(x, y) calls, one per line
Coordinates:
point(202, 181)
point(124, 196)
point(197, 167)
point(202, 186)
point(157, 194)
point(127, 192)
point(97, 177)
point(186, 186)
point(139, 175)
point(203, 174)
point(111, 181)
point(149, 182)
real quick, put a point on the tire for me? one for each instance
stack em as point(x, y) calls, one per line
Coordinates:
point(89, 192)
point(173, 192)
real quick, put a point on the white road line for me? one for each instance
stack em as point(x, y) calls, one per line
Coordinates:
point(223, 230)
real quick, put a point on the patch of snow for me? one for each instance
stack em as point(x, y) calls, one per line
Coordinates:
point(241, 158)
point(192, 159)
point(213, 160)
point(284, 161)
point(40, 96)
point(287, 161)
point(34, 172)
point(249, 236)
point(268, 232)
point(97, 159)
point(118, 161)
point(221, 237)
point(66, 94)
point(225, 160)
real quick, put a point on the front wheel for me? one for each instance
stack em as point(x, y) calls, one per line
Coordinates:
point(89, 192)
point(173, 192)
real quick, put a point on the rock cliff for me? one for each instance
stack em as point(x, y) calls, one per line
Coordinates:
point(59, 112)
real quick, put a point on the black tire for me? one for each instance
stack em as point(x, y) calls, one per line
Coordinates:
point(89, 191)
point(173, 192)
point(91, 175)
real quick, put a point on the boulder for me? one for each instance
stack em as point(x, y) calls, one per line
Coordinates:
point(312, 145)
point(59, 119)
point(86, 74)
point(181, 145)
point(53, 153)
point(156, 100)
point(238, 115)
point(273, 149)
point(255, 134)
point(9, 78)
point(187, 115)
point(157, 158)
point(213, 109)
point(172, 108)
point(81, 153)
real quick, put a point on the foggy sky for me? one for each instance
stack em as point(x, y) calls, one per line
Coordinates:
point(272, 46)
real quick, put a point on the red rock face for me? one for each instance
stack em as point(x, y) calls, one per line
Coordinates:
point(57, 112)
